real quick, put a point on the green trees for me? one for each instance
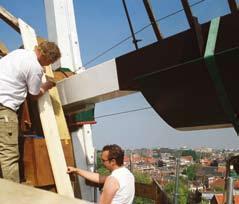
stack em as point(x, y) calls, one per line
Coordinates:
point(142, 177)
point(182, 191)
point(191, 172)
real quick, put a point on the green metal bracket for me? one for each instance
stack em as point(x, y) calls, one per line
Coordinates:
point(88, 115)
point(215, 75)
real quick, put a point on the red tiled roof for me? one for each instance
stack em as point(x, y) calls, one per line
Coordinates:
point(218, 182)
point(219, 198)
point(236, 199)
point(188, 158)
point(221, 169)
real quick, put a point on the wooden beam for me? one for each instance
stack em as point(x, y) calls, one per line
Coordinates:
point(56, 103)
point(194, 25)
point(9, 19)
point(3, 49)
point(233, 5)
point(152, 20)
point(49, 125)
point(57, 107)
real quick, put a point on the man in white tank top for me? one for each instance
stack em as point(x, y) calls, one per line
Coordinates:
point(20, 73)
point(119, 187)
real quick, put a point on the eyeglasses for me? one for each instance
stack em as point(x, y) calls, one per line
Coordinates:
point(104, 160)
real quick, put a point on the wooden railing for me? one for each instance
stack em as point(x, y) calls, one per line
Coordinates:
point(151, 191)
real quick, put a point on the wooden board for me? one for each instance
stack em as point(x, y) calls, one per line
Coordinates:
point(37, 166)
point(3, 49)
point(57, 107)
point(49, 125)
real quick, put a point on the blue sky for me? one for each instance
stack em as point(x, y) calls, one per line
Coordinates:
point(101, 25)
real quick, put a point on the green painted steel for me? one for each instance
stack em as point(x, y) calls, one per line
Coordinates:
point(215, 74)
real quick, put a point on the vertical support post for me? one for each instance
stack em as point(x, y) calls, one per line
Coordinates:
point(84, 155)
point(230, 182)
point(130, 25)
point(215, 75)
point(176, 181)
point(152, 20)
point(61, 28)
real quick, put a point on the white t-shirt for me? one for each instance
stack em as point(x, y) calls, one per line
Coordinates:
point(20, 72)
point(126, 191)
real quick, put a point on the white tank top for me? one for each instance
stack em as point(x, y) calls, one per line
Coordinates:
point(125, 193)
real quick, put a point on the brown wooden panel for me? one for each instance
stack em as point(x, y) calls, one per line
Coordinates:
point(37, 167)
point(145, 190)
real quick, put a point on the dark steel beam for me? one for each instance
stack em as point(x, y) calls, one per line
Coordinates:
point(233, 5)
point(194, 25)
point(174, 79)
point(152, 20)
point(135, 41)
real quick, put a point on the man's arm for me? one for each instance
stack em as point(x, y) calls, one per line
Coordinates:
point(44, 88)
point(94, 177)
point(109, 190)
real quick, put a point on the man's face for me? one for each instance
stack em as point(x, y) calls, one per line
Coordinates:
point(105, 160)
point(44, 61)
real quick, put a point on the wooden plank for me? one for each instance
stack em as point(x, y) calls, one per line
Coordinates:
point(9, 19)
point(233, 5)
point(193, 22)
point(49, 125)
point(57, 107)
point(56, 103)
point(3, 49)
point(37, 169)
point(153, 22)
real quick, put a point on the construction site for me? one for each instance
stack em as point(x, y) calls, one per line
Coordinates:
point(189, 79)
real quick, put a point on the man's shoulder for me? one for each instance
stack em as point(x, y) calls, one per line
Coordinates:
point(21, 52)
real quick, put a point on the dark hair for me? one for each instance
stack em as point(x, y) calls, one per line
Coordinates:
point(115, 152)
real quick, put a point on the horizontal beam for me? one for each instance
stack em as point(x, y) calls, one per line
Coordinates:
point(171, 75)
point(97, 84)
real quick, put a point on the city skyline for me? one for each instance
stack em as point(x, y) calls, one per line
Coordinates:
point(101, 25)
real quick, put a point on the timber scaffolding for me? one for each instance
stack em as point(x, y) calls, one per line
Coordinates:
point(191, 82)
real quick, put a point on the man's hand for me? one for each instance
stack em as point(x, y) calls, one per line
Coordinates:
point(71, 170)
point(44, 88)
point(47, 85)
